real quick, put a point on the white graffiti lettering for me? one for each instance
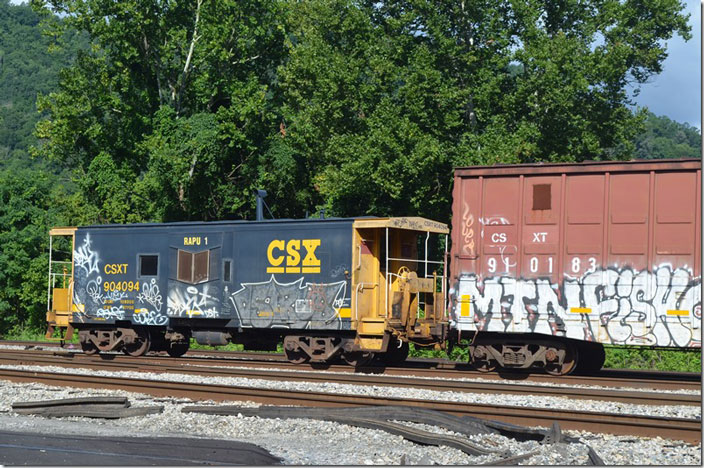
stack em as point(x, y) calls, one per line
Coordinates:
point(149, 317)
point(192, 302)
point(111, 313)
point(85, 258)
point(617, 306)
point(150, 294)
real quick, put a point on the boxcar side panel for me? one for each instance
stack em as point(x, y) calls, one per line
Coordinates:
point(606, 255)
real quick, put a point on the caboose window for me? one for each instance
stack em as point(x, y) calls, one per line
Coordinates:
point(226, 272)
point(193, 268)
point(148, 265)
point(541, 197)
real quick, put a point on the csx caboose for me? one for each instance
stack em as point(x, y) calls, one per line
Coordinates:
point(327, 288)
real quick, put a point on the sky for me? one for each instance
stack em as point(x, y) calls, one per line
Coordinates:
point(677, 91)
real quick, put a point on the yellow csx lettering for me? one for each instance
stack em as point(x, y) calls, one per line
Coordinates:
point(280, 250)
point(115, 269)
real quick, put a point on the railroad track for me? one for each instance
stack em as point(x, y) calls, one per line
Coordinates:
point(434, 368)
point(656, 380)
point(688, 430)
point(205, 367)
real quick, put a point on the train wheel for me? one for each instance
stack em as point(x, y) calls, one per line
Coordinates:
point(89, 347)
point(396, 353)
point(568, 363)
point(140, 346)
point(484, 366)
point(357, 358)
point(296, 357)
point(479, 358)
point(177, 349)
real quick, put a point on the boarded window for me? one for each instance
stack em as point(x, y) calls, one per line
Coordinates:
point(185, 266)
point(226, 272)
point(541, 197)
point(148, 265)
point(201, 266)
point(193, 268)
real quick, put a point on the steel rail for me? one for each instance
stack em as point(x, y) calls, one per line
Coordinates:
point(171, 365)
point(658, 380)
point(688, 430)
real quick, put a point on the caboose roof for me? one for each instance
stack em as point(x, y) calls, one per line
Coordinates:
point(410, 222)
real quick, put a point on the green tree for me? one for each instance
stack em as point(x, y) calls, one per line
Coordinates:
point(31, 202)
point(179, 110)
point(159, 73)
point(382, 99)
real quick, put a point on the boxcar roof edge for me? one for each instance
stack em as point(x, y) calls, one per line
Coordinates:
point(636, 165)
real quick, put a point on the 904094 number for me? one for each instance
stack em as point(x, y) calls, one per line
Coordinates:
point(121, 286)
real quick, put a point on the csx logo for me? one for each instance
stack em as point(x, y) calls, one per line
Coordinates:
point(280, 250)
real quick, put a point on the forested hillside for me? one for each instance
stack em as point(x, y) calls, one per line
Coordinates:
point(29, 64)
point(665, 138)
point(147, 111)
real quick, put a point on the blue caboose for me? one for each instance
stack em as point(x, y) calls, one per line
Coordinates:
point(353, 287)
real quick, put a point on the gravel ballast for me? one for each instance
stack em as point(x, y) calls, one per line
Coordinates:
point(672, 411)
point(310, 442)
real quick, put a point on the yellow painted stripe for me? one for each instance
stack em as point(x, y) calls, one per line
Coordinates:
point(464, 307)
point(311, 269)
point(275, 270)
point(293, 270)
point(581, 310)
point(344, 312)
point(677, 312)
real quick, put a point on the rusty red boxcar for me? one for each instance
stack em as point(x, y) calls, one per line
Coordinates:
point(549, 261)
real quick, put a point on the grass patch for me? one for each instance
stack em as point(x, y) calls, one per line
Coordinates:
point(653, 359)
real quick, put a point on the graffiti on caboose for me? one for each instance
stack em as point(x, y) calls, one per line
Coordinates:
point(95, 299)
point(192, 302)
point(291, 305)
point(150, 294)
point(617, 306)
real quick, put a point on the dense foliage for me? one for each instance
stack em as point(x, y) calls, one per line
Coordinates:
point(664, 138)
point(179, 110)
point(29, 63)
point(167, 111)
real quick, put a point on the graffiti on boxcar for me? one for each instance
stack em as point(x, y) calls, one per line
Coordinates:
point(193, 302)
point(619, 306)
point(293, 305)
point(150, 294)
point(467, 231)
